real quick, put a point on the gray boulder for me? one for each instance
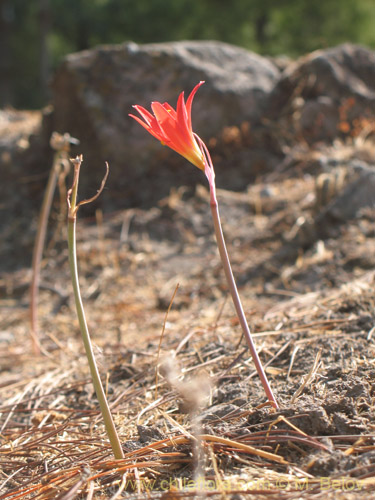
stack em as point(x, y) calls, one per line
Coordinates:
point(321, 95)
point(94, 90)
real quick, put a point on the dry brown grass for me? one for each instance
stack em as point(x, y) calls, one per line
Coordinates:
point(311, 311)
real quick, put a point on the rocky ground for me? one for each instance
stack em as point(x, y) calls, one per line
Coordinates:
point(302, 243)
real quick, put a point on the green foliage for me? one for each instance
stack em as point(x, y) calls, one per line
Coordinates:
point(290, 27)
point(329, 23)
point(22, 47)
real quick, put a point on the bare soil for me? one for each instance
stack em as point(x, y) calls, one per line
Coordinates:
point(308, 291)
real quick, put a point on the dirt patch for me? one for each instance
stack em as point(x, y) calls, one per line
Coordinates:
point(309, 300)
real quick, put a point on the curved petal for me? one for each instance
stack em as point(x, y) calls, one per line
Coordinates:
point(150, 122)
point(151, 130)
point(146, 115)
point(170, 110)
point(189, 101)
point(162, 113)
point(182, 119)
point(169, 126)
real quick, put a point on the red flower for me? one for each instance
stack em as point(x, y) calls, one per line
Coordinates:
point(173, 127)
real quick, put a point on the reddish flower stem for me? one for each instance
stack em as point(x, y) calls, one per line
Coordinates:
point(210, 174)
point(237, 302)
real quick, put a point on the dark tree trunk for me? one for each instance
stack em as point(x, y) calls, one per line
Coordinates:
point(6, 20)
point(261, 22)
point(44, 62)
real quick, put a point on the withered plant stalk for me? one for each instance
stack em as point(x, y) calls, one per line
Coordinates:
point(61, 144)
point(37, 256)
point(72, 218)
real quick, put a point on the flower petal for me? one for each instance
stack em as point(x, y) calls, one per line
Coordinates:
point(146, 115)
point(189, 101)
point(173, 127)
point(169, 127)
point(182, 118)
point(149, 129)
point(170, 110)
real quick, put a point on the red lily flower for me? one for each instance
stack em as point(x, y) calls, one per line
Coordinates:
point(173, 127)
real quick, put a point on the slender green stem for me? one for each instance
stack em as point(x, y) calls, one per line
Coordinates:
point(235, 295)
point(104, 407)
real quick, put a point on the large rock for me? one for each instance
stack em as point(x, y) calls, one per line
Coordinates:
point(94, 91)
point(325, 94)
point(24, 165)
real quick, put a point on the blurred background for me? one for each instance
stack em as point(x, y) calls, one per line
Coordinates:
point(36, 34)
